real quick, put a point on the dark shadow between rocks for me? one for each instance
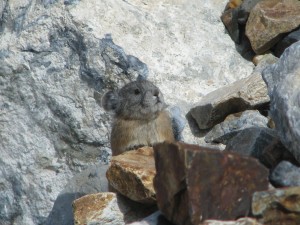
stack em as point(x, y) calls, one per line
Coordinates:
point(62, 210)
point(137, 210)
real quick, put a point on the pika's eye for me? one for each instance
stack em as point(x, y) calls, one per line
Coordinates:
point(137, 91)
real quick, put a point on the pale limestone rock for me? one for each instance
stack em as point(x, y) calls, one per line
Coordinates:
point(132, 173)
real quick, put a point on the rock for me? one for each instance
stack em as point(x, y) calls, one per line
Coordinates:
point(247, 93)
point(283, 82)
point(233, 124)
point(184, 197)
point(154, 219)
point(261, 143)
point(241, 221)
point(91, 180)
point(54, 56)
point(288, 40)
point(285, 174)
point(132, 173)
point(245, 9)
point(278, 206)
point(108, 208)
point(268, 20)
point(230, 20)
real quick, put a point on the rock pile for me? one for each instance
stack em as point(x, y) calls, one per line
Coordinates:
point(262, 25)
point(250, 182)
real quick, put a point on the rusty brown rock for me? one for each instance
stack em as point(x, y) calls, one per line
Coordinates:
point(132, 173)
point(269, 19)
point(278, 206)
point(108, 208)
point(194, 183)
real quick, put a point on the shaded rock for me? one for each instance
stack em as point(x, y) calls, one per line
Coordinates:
point(285, 174)
point(230, 20)
point(283, 82)
point(132, 173)
point(261, 143)
point(184, 197)
point(288, 40)
point(91, 180)
point(233, 124)
point(245, 9)
point(268, 20)
point(247, 93)
point(234, 18)
point(154, 219)
point(108, 208)
point(278, 206)
point(241, 221)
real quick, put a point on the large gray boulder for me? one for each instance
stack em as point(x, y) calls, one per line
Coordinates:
point(55, 55)
point(283, 81)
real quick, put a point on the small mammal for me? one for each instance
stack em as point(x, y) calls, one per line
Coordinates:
point(140, 117)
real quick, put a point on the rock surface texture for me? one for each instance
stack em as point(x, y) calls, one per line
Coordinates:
point(193, 184)
point(54, 55)
point(107, 208)
point(283, 80)
point(278, 206)
point(269, 20)
point(132, 173)
point(247, 93)
point(261, 143)
point(233, 124)
point(285, 174)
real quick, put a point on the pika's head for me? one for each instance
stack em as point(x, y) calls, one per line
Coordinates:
point(138, 100)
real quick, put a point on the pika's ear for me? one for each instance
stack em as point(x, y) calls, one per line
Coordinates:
point(110, 101)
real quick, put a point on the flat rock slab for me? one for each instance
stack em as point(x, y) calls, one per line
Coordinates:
point(241, 221)
point(247, 93)
point(268, 20)
point(194, 183)
point(278, 206)
point(108, 208)
point(132, 173)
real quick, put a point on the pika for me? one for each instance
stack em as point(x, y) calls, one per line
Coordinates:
point(140, 116)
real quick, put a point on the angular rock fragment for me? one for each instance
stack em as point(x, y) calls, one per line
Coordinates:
point(283, 80)
point(241, 221)
point(278, 206)
point(285, 174)
point(233, 124)
point(108, 208)
point(154, 219)
point(261, 143)
point(268, 20)
point(132, 173)
point(194, 183)
point(247, 93)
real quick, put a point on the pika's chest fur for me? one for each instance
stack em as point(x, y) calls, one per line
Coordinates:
point(127, 134)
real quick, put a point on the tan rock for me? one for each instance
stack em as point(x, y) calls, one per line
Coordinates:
point(269, 20)
point(108, 208)
point(132, 173)
point(278, 206)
